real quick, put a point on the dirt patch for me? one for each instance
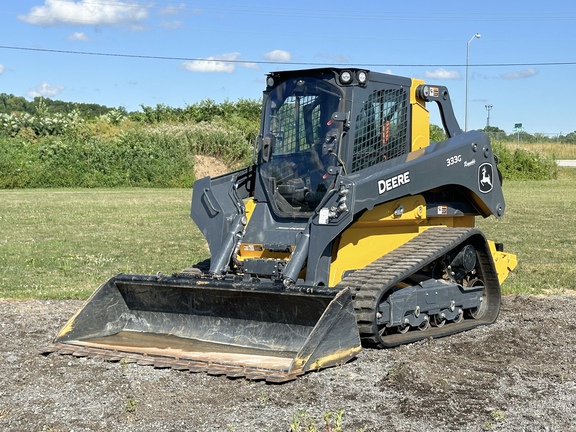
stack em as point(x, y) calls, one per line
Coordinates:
point(208, 166)
point(516, 375)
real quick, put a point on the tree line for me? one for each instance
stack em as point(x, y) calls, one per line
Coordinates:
point(205, 110)
point(58, 146)
point(208, 110)
point(10, 104)
point(496, 134)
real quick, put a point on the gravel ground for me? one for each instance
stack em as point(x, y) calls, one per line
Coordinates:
point(516, 375)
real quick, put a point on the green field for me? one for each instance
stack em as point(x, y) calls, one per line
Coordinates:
point(63, 243)
point(540, 227)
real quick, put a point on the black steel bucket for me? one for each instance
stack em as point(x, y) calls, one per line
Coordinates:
point(234, 328)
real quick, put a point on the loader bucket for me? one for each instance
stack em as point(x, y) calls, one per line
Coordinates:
point(238, 329)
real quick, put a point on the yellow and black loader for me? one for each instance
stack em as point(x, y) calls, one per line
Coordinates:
point(351, 228)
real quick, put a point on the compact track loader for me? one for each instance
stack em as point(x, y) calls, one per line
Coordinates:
point(351, 228)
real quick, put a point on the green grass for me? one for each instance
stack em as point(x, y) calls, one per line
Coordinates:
point(540, 228)
point(63, 243)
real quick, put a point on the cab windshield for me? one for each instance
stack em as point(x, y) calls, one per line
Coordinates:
point(300, 143)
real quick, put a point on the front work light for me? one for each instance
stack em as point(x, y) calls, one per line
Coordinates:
point(362, 77)
point(346, 77)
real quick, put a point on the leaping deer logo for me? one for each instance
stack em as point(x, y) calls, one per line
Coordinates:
point(485, 178)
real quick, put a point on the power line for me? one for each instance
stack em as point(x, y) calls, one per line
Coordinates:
point(220, 60)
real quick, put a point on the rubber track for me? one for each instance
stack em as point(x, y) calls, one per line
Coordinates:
point(369, 284)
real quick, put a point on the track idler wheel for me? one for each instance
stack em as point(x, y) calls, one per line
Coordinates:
point(459, 316)
point(425, 323)
point(479, 311)
point(438, 320)
point(402, 329)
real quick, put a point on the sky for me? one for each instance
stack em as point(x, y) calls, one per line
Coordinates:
point(129, 53)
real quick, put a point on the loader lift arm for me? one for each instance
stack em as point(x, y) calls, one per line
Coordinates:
point(440, 95)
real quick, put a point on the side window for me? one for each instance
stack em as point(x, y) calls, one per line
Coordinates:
point(381, 128)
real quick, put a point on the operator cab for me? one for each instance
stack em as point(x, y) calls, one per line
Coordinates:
point(323, 122)
point(302, 131)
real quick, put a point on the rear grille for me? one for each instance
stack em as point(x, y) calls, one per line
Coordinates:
point(381, 128)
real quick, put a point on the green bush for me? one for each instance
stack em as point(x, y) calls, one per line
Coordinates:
point(42, 124)
point(211, 139)
point(159, 155)
point(242, 116)
point(17, 166)
point(156, 148)
point(522, 164)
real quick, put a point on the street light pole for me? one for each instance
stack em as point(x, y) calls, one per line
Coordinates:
point(488, 108)
point(476, 36)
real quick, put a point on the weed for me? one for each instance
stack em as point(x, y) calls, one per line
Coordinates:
point(303, 422)
point(263, 397)
point(297, 421)
point(131, 405)
point(391, 374)
point(497, 415)
point(124, 362)
point(333, 421)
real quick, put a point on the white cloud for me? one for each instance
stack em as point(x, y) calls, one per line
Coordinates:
point(526, 73)
point(2, 69)
point(220, 63)
point(45, 90)
point(78, 36)
point(172, 10)
point(208, 66)
point(65, 12)
point(278, 56)
point(442, 73)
